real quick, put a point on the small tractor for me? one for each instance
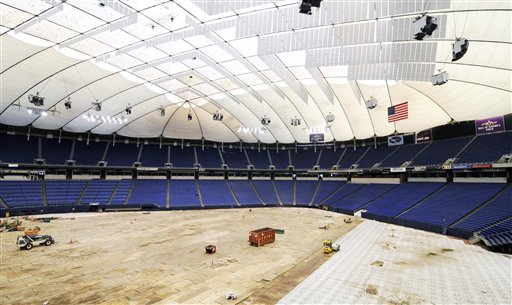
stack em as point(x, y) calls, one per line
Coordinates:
point(329, 247)
point(28, 241)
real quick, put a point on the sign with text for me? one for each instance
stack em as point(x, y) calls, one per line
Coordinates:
point(397, 169)
point(424, 136)
point(490, 125)
point(316, 137)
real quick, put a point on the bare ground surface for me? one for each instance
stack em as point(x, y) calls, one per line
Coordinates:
point(159, 258)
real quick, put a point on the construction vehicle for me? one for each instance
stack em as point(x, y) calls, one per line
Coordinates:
point(28, 241)
point(329, 247)
point(11, 226)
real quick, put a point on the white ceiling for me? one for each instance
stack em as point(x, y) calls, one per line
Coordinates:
point(248, 60)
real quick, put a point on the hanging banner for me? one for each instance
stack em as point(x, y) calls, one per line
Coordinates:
point(396, 140)
point(490, 125)
point(424, 136)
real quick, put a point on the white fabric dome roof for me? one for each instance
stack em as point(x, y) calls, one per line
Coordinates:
point(249, 60)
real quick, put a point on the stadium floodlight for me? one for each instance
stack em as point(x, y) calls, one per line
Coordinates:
point(329, 118)
point(67, 104)
point(265, 121)
point(295, 122)
point(305, 8)
point(36, 99)
point(218, 116)
point(97, 106)
point(424, 26)
point(306, 5)
point(371, 103)
point(440, 78)
point(460, 47)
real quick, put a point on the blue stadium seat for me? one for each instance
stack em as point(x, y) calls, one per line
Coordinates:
point(439, 151)
point(151, 191)
point(351, 156)
point(64, 192)
point(154, 155)
point(121, 191)
point(452, 202)
point(498, 209)
point(376, 155)
point(89, 154)
point(245, 192)
point(304, 191)
point(216, 193)
point(98, 191)
point(258, 159)
point(280, 159)
point(403, 154)
point(285, 190)
point(342, 192)
point(55, 152)
point(402, 197)
point(184, 193)
point(487, 148)
point(265, 189)
point(122, 154)
point(20, 150)
point(235, 158)
point(364, 195)
point(183, 157)
point(304, 158)
point(326, 189)
point(208, 157)
point(329, 158)
point(22, 193)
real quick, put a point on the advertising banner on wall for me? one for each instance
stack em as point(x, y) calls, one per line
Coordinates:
point(490, 125)
point(424, 136)
point(396, 140)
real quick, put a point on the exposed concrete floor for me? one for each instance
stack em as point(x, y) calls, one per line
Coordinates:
point(158, 258)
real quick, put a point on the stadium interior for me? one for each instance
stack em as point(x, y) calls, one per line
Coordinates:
point(384, 126)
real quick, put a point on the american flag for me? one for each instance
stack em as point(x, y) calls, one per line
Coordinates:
point(398, 112)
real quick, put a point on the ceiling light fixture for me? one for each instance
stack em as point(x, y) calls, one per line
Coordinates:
point(439, 78)
point(460, 47)
point(36, 99)
point(424, 26)
point(67, 104)
point(218, 116)
point(306, 5)
point(97, 105)
point(371, 103)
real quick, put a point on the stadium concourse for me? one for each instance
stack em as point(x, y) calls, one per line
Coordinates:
point(145, 130)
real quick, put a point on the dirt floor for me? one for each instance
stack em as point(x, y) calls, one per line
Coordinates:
point(159, 257)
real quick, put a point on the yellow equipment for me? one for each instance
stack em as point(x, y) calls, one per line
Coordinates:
point(329, 247)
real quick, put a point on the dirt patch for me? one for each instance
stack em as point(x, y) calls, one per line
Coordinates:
point(431, 254)
point(371, 289)
point(444, 250)
point(400, 263)
point(377, 263)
